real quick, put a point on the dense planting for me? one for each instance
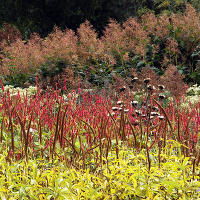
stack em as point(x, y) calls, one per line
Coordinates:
point(86, 146)
point(110, 117)
point(153, 41)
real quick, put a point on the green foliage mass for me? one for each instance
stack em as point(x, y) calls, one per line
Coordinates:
point(124, 178)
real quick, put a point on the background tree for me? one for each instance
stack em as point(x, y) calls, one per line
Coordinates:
point(42, 15)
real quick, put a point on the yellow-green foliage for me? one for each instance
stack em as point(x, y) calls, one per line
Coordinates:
point(125, 178)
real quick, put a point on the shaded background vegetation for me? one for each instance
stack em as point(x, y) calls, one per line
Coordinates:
point(42, 15)
point(97, 48)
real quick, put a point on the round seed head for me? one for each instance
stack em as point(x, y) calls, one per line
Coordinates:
point(122, 89)
point(114, 108)
point(161, 96)
point(149, 87)
point(143, 116)
point(119, 102)
point(135, 79)
point(126, 110)
point(130, 86)
point(147, 80)
point(120, 109)
point(154, 114)
point(161, 87)
point(161, 117)
point(134, 103)
point(138, 112)
point(152, 117)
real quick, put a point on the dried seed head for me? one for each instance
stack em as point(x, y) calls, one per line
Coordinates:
point(126, 110)
point(147, 80)
point(122, 89)
point(130, 86)
point(161, 117)
point(161, 87)
point(134, 103)
point(119, 102)
point(161, 96)
point(154, 114)
point(138, 112)
point(149, 87)
point(135, 79)
point(120, 109)
point(114, 108)
point(152, 117)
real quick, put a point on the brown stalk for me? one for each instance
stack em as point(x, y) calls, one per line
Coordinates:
point(122, 124)
point(165, 134)
point(28, 130)
point(24, 133)
point(10, 112)
point(116, 137)
point(159, 152)
point(141, 131)
point(40, 131)
point(198, 158)
point(132, 129)
point(62, 126)
point(147, 148)
point(92, 148)
point(21, 136)
point(179, 138)
point(100, 142)
point(186, 134)
point(40, 135)
point(12, 133)
point(2, 124)
point(83, 152)
point(80, 142)
point(161, 108)
point(87, 125)
point(104, 127)
point(178, 116)
point(57, 129)
point(73, 147)
point(193, 167)
point(108, 140)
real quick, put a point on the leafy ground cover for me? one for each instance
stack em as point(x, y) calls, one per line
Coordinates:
point(83, 145)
